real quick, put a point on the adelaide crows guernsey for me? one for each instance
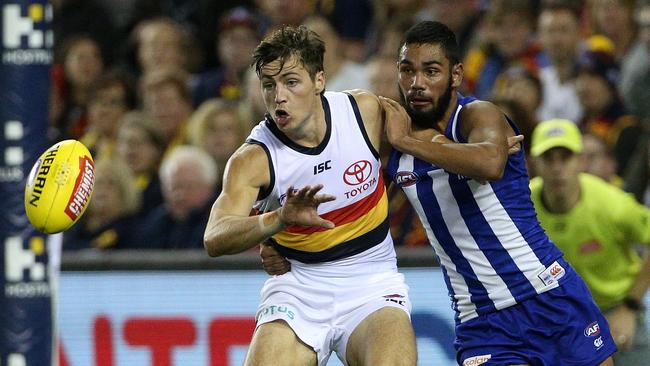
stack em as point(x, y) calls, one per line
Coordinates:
point(492, 250)
point(348, 167)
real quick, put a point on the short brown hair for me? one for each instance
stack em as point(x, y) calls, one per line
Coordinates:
point(289, 41)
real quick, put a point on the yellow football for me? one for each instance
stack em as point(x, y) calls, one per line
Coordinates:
point(59, 186)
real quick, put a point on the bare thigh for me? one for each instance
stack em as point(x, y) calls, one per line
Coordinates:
point(384, 338)
point(275, 343)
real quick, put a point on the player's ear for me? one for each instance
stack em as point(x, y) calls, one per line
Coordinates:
point(319, 81)
point(457, 75)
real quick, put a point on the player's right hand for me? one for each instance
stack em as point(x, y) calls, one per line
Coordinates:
point(301, 207)
point(272, 261)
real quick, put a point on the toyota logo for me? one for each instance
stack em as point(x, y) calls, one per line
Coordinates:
point(357, 173)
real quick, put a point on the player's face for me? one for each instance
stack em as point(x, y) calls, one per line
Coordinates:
point(559, 168)
point(290, 95)
point(427, 82)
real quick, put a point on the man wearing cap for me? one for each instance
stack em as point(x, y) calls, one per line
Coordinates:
point(597, 226)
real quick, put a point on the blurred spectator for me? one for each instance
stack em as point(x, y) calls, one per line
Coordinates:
point(251, 105)
point(385, 10)
point(635, 70)
point(598, 159)
point(387, 38)
point(519, 84)
point(559, 35)
point(112, 96)
point(604, 112)
point(341, 74)
point(525, 121)
point(78, 64)
point(161, 43)
point(637, 175)
point(108, 222)
point(462, 16)
point(217, 128)
point(615, 20)
point(382, 81)
point(183, 12)
point(166, 97)
point(141, 145)
point(352, 21)
point(236, 38)
point(189, 181)
point(275, 13)
point(74, 17)
point(511, 25)
point(597, 227)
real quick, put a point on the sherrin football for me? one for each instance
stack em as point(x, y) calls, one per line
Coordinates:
point(59, 186)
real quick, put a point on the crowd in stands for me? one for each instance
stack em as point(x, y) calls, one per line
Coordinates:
point(162, 92)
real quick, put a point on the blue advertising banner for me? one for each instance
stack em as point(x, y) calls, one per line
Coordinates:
point(26, 302)
point(206, 318)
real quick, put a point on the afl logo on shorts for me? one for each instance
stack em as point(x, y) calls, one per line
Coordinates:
point(357, 173)
point(405, 179)
point(592, 330)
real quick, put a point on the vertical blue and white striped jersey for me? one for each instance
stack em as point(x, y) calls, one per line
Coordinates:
point(491, 247)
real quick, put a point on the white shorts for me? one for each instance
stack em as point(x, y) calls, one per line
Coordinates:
point(323, 312)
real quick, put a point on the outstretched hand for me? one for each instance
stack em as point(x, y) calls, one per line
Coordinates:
point(300, 207)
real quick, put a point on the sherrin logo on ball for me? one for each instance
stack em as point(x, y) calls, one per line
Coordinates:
point(59, 186)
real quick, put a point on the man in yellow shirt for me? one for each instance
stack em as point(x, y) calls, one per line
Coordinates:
point(597, 226)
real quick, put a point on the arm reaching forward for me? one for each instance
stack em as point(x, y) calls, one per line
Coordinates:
point(484, 156)
point(231, 230)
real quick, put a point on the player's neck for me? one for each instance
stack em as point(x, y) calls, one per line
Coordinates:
point(441, 124)
point(310, 132)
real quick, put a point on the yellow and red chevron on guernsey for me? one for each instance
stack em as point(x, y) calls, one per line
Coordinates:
point(361, 223)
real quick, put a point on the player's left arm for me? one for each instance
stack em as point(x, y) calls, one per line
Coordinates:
point(483, 157)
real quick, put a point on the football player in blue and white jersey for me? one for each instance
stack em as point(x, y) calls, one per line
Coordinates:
point(517, 301)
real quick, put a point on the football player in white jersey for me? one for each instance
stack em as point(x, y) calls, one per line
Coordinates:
point(344, 293)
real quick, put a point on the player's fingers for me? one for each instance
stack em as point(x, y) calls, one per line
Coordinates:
point(290, 192)
point(278, 269)
point(321, 198)
point(516, 139)
point(267, 251)
point(386, 103)
point(313, 190)
point(302, 193)
point(326, 224)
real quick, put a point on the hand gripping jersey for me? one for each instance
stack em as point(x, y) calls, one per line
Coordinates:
point(348, 167)
point(492, 249)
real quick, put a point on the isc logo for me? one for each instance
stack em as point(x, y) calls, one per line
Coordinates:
point(16, 26)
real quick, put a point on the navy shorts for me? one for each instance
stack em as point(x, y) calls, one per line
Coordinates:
point(559, 327)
